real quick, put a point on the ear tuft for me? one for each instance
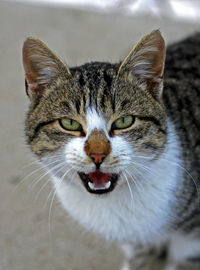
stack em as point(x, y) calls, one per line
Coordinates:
point(41, 66)
point(146, 60)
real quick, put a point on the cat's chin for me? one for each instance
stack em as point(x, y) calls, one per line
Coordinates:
point(99, 183)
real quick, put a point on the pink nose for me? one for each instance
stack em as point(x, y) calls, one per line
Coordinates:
point(97, 158)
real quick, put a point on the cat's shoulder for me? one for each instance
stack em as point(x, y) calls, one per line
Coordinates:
point(183, 58)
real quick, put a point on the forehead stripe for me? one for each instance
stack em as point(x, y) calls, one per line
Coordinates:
point(77, 105)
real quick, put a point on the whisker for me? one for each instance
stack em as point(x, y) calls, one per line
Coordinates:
point(42, 159)
point(30, 164)
point(46, 173)
point(49, 180)
point(138, 186)
point(55, 187)
point(155, 173)
point(50, 209)
point(131, 193)
point(187, 172)
point(25, 178)
point(136, 183)
point(54, 194)
point(147, 169)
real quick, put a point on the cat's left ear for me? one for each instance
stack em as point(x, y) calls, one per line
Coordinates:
point(146, 62)
point(41, 67)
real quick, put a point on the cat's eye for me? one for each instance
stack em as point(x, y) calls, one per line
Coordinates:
point(70, 124)
point(123, 122)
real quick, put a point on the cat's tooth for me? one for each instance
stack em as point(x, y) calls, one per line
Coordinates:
point(108, 184)
point(91, 185)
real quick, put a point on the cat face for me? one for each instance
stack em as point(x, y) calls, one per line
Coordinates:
point(96, 125)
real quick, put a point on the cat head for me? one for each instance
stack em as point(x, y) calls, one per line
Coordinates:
point(93, 125)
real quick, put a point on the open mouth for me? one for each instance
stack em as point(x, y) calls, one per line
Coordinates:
point(98, 182)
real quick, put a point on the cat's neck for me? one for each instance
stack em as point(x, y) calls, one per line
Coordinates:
point(138, 216)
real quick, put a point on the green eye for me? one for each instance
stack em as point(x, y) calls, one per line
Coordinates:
point(70, 124)
point(123, 122)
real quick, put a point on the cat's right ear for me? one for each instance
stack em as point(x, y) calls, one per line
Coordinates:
point(41, 67)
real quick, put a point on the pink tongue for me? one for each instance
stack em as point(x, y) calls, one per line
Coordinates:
point(99, 179)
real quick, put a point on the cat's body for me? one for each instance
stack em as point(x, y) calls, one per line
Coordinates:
point(101, 128)
point(181, 96)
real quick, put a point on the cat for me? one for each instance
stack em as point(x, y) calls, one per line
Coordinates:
point(122, 149)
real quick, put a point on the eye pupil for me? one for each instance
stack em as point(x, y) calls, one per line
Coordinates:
point(123, 122)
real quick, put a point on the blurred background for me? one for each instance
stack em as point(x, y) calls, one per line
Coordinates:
point(35, 232)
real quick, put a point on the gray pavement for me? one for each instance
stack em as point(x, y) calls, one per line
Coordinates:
point(34, 236)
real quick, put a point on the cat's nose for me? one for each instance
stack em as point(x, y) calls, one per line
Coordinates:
point(97, 147)
point(97, 159)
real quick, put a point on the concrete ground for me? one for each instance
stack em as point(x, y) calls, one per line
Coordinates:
point(34, 235)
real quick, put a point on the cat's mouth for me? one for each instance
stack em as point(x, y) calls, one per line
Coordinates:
point(98, 182)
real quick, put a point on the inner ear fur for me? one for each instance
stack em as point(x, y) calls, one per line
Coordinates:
point(146, 62)
point(41, 66)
